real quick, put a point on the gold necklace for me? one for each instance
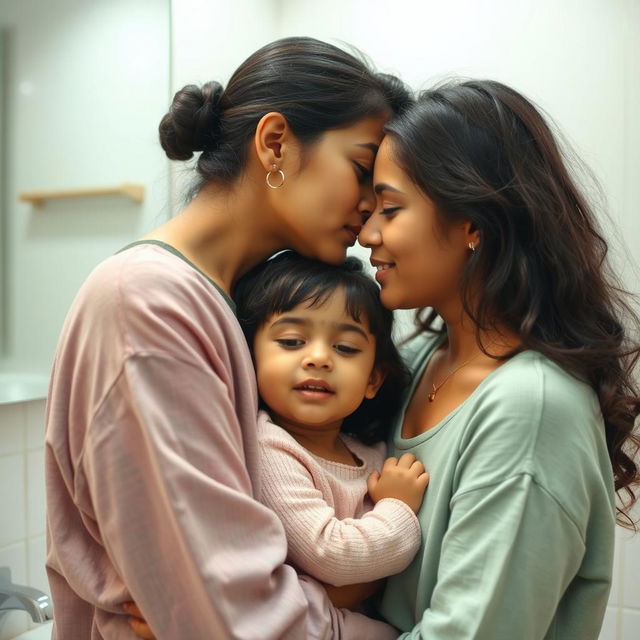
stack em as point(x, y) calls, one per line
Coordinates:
point(435, 388)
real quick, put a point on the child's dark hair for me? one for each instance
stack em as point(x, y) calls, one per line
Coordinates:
point(289, 279)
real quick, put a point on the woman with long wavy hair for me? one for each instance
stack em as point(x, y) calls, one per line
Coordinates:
point(523, 399)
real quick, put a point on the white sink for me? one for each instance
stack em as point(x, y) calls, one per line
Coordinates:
point(42, 632)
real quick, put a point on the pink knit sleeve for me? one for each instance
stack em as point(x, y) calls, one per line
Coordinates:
point(338, 552)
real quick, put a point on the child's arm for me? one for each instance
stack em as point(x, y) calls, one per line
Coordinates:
point(353, 550)
point(390, 483)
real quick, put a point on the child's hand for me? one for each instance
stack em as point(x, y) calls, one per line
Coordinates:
point(404, 479)
point(137, 621)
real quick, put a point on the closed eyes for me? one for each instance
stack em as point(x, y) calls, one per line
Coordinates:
point(364, 173)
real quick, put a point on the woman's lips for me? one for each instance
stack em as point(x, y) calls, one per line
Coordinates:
point(383, 269)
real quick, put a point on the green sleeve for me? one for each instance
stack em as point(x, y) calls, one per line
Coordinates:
point(509, 553)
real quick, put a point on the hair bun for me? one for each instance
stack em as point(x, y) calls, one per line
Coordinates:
point(192, 123)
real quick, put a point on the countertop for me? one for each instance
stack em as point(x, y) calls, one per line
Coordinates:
point(22, 386)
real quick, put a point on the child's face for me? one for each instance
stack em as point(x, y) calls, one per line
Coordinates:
point(315, 365)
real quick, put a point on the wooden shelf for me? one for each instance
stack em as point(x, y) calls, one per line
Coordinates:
point(37, 198)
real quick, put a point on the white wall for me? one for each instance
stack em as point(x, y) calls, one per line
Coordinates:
point(209, 40)
point(88, 81)
point(22, 510)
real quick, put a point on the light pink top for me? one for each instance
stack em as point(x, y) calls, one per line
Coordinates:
point(152, 468)
point(335, 533)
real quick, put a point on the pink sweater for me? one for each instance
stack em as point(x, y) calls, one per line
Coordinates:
point(335, 533)
point(152, 467)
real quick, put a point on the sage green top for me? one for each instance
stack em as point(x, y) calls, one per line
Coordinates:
point(518, 519)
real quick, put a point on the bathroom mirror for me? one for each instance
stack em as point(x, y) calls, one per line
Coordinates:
point(85, 84)
point(3, 194)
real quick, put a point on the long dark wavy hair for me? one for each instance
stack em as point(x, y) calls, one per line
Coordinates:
point(288, 280)
point(483, 153)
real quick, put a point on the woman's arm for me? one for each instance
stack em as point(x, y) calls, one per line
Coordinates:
point(508, 556)
point(151, 430)
point(174, 509)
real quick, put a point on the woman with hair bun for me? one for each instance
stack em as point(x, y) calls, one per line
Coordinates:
point(151, 446)
point(523, 398)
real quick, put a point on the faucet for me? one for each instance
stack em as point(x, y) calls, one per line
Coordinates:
point(16, 596)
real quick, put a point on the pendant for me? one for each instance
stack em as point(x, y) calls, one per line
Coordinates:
point(432, 396)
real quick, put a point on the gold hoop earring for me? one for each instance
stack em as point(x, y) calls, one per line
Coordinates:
point(274, 169)
point(472, 246)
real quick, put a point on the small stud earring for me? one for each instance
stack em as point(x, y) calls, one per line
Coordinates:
point(472, 246)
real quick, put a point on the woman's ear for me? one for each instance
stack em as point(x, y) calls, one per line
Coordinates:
point(375, 382)
point(471, 234)
point(271, 139)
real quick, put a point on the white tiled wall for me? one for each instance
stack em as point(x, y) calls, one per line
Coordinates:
point(22, 519)
point(623, 619)
point(22, 527)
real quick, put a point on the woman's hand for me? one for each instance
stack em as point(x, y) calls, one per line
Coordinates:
point(137, 621)
point(350, 596)
point(404, 479)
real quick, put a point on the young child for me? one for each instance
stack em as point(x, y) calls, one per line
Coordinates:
point(329, 378)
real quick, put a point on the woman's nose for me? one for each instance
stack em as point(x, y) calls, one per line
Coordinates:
point(367, 200)
point(369, 235)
